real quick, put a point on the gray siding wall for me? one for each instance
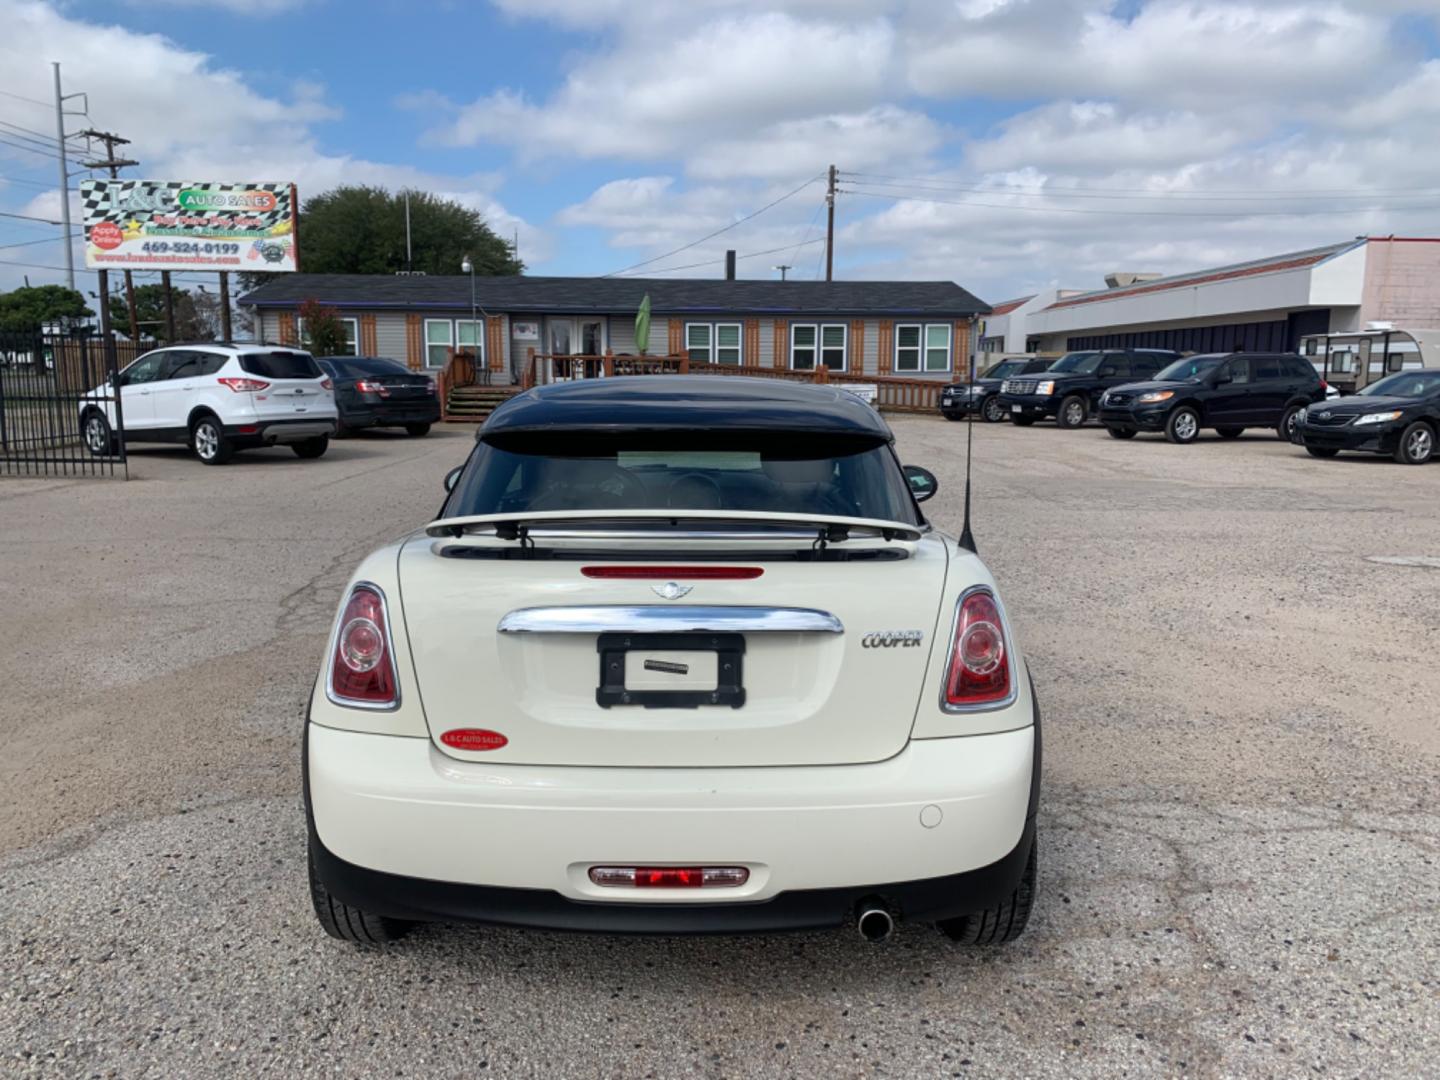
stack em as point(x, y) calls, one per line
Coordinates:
point(622, 334)
point(390, 335)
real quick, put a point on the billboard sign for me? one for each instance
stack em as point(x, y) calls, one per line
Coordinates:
point(172, 225)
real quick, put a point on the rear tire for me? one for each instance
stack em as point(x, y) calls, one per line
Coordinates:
point(311, 448)
point(1121, 433)
point(1072, 412)
point(993, 410)
point(1286, 428)
point(346, 923)
point(1004, 922)
point(1229, 431)
point(417, 430)
point(207, 439)
point(1416, 445)
point(1183, 426)
point(1322, 451)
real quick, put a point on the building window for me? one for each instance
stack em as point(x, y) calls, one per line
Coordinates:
point(827, 340)
point(713, 343)
point(924, 347)
point(352, 335)
point(442, 335)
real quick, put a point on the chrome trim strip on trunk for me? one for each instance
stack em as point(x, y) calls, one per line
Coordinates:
point(655, 619)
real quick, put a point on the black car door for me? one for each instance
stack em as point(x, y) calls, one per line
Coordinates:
point(1229, 401)
point(1270, 389)
point(1114, 370)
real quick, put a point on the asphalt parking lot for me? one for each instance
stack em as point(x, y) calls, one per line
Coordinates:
point(1234, 645)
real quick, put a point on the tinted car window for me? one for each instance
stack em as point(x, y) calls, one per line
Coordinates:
point(1113, 365)
point(1297, 367)
point(1145, 365)
point(181, 364)
point(146, 369)
point(1238, 368)
point(281, 365)
point(1267, 368)
point(643, 472)
point(1036, 365)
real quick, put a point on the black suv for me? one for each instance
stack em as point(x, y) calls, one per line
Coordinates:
point(1070, 388)
point(960, 399)
point(1225, 391)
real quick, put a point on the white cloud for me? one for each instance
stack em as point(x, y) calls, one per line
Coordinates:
point(668, 95)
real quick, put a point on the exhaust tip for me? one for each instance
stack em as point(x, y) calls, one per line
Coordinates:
point(875, 924)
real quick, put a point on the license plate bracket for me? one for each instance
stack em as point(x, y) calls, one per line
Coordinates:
point(729, 652)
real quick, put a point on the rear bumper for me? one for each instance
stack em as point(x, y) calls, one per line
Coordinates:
point(273, 432)
point(425, 411)
point(399, 829)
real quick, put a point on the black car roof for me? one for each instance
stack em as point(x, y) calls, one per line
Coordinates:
point(702, 404)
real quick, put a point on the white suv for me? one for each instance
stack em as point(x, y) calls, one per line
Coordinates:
point(216, 399)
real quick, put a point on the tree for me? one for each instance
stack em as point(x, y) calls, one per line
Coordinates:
point(324, 334)
point(33, 307)
point(361, 230)
point(197, 316)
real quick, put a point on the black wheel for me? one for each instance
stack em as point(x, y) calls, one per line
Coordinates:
point(1004, 922)
point(99, 438)
point(1183, 426)
point(347, 923)
point(208, 440)
point(417, 430)
point(1286, 429)
point(1416, 445)
point(993, 410)
point(1229, 431)
point(1072, 412)
point(1322, 451)
point(1022, 421)
point(311, 448)
point(1121, 432)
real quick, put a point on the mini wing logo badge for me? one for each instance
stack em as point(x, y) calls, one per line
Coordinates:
point(671, 590)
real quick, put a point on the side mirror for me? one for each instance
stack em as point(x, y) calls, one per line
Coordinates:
point(923, 484)
point(452, 476)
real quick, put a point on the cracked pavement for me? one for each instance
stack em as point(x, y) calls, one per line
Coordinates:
point(1240, 863)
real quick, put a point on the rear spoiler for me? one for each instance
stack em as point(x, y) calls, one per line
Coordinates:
point(820, 528)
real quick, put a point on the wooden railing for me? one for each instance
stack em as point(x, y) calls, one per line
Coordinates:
point(893, 393)
point(459, 370)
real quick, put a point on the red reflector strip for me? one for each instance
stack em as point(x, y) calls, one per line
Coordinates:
point(669, 877)
point(671, 573)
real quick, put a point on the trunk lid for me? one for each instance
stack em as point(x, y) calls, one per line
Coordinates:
point(295, 389)
point(812, 695)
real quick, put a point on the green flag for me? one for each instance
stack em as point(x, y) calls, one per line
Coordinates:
point(642, 326)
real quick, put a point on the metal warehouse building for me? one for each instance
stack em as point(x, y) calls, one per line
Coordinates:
point(1268, 304)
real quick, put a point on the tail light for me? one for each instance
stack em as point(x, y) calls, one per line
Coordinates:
point(1324, 385)
point(327, 384)
point(362, 668)
point(430, 384)
point(370, 386)
point(243, 386)
point(980, 672)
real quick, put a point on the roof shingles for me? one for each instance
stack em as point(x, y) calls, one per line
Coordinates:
point(560, 295)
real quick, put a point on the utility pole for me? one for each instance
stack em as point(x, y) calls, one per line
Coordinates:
point(830, 226)
point(114, 165)
point(783, 267)
point(408, 264)
point(64, 178)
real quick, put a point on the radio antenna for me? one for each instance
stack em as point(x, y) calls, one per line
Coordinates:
point(967, 538)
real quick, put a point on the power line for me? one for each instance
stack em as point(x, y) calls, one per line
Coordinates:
point(747, 255)
point(32, 135)
point(1231, 214)
point(31, 183)
point(31, 100)
point(27, 217)
point(42, 240)
point(33, 150)
point(717, 232)
point(940, 183)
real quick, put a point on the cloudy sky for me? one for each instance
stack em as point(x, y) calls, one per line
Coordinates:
point(1004, 144)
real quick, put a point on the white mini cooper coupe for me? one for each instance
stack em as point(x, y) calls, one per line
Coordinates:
point(680, 655)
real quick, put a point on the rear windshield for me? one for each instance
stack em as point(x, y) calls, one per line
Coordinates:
point(281, 365)
point(652, 475)
point(365, 365)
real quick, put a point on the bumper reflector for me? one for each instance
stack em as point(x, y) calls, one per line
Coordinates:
point(669, 877)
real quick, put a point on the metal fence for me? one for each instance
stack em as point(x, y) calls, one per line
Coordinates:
point(49, 385)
